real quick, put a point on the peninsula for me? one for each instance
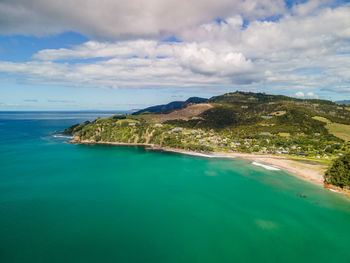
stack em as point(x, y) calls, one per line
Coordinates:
point(303, 136)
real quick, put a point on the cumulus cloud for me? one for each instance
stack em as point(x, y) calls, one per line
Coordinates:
point(300, 94)
point(124, 18)
point(306, 49)
point(311, 95)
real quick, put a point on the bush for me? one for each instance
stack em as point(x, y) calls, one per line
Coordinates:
point(339, 173)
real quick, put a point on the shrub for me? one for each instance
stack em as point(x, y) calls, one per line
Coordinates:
point(339, 173)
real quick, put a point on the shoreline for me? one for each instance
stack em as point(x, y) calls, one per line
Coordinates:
point(310, 172)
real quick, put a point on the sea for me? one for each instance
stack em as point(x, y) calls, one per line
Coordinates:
point(61, 202)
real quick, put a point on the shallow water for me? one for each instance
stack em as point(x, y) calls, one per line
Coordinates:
point(61, 202)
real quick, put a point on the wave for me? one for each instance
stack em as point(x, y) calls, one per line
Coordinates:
point(62, 136)
point(267, 167)
point(199, 154)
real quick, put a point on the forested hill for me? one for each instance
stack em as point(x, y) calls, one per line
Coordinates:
point(175, 105)
point(240, 96)
point(238, 121)
point(310, 129)
point(340, 102)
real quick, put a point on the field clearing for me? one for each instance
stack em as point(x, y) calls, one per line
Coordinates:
point(284, 134)
point(190, 112)
point(318, 118)
point(128, 120)
point(341, 131)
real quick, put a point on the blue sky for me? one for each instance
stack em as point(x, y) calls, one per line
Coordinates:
point(115, 56)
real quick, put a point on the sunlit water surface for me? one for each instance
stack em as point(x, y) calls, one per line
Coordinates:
point(61, 202)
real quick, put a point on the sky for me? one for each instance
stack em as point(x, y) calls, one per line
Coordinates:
point(130, 54)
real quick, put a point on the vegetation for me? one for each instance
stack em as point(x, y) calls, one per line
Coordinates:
point(316, 130)
point(339, 173)
point(339, 130)
point(175, 105)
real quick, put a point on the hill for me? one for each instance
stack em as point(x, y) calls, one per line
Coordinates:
point(175, 105)
point(307, 129)
point(341, 102)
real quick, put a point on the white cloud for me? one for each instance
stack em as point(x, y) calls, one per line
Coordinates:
point(311, 95)
point(304, 50)
point(124, 18)
point(300, 94)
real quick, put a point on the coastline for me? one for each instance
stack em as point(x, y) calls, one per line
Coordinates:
point(310, 172)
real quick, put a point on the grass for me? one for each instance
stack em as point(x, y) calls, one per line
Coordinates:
point(128, 120)
point(278, 113)
point(322, 119)
point(341, 131)
point(284, 134)
point(147, 117)
point(311, 159)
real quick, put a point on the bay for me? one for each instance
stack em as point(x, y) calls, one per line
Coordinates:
point(61, 202)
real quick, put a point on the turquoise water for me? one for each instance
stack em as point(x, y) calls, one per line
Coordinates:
point(73, 203)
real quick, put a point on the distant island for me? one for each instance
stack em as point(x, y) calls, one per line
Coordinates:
point(307, 134)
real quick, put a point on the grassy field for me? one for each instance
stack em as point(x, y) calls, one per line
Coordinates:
point(318, 118)
point(341, 131)
point(311, 159)
point(278, 113)
point(128, 120)
point(284, 134)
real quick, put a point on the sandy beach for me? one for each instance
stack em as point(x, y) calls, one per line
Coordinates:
point(306, 170)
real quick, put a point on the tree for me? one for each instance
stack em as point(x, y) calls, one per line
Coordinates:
point(339, 173)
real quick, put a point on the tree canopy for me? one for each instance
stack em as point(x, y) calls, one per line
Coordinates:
point(339, 173)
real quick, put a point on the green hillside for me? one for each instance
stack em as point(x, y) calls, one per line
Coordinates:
point(239, 121)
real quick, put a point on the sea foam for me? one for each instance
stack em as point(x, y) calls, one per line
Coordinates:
point(267, 167)
point(208, 155)
point(62, 136)
point(199, 154)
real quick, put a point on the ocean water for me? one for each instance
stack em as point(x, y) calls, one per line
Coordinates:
point(61, 202)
